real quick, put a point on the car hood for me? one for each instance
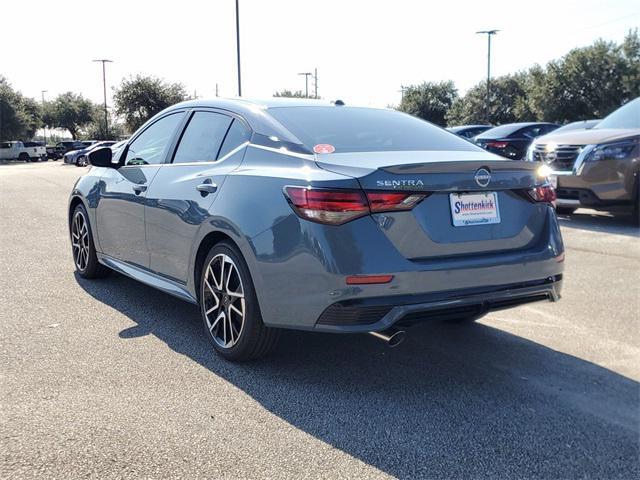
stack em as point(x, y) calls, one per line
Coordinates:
point(588, 137)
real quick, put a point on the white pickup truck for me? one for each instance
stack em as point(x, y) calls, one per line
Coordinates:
point(25, 151)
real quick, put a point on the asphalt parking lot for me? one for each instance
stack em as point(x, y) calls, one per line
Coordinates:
point(112, 379)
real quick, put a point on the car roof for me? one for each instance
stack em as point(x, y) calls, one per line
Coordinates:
point(255, 102)
point(465, 127)
point(510, 128)
point(255, 112)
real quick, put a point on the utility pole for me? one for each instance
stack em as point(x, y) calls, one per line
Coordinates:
point(104, 87)
point(315, 83)
point(489, 34)
point(402, 90)
point(217, 90)
point(44, 127)
point(238, 46)
point(306, 83)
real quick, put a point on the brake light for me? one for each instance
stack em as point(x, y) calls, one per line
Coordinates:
point(497, 144)
point(335, 207)
point(544, 193)
point(385, 202)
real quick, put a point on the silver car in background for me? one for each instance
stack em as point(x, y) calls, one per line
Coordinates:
point(597, 168)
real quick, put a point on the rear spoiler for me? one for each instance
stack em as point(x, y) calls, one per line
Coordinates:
point(494, 166)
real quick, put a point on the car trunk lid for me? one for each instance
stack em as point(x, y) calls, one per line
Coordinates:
point(431, 229)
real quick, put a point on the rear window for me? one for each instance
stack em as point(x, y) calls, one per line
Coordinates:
point(500, 132)
point(352, 129)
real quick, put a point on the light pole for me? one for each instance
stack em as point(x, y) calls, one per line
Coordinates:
point(489, 33)
point(315, 83)
point(238, 46)
point(306, 83)
point(44, 127)
point(104, 87)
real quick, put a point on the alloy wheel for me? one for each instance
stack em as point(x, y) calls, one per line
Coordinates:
point(224, 301)
point(80, 241)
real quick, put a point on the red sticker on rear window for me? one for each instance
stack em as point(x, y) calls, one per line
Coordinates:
point(324, 148)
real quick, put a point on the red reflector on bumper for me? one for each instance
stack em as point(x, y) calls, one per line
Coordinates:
point(368, 279)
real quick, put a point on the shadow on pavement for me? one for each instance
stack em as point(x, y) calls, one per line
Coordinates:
point(451, 401)
point(600, 222)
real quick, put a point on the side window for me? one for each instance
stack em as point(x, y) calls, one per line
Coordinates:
point(151, 146)
point(236, 136)
point(530, 132)
point(202, 139)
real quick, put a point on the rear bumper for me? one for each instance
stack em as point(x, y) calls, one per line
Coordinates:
point(299, 276)
point(377, 314)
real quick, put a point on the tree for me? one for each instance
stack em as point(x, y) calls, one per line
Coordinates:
point(588, 82)
point(289, 94)
point(139, 98)
point(96, 129)
point(71, 111)
point(20, 116)
point(508, 102)
point(429, 100)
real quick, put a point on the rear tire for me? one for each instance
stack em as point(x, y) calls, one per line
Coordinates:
point(82, 247)
point(229, 307)
point(565, 210)
point(635, 212)
point(24, 157)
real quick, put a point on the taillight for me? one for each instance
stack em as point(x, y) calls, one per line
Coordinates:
point(544, 193)
point(392, 201)
point(335, 207)
point(497, 144)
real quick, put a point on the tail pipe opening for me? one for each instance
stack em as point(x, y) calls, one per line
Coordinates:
point(392, 336)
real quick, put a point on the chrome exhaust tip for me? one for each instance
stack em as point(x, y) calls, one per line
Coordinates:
point(392, 336)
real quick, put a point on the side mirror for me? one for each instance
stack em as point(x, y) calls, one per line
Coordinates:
point(102, 157)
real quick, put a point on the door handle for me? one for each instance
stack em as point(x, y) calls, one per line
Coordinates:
point(139, 188)
point(207, 187)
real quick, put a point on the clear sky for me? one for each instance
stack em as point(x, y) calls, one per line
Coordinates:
point(363, 50)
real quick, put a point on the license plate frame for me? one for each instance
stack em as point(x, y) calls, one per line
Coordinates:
point(470, 209)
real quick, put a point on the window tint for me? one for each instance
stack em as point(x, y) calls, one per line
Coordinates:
point(202, 138)
point(237, 135)
point(627, 116)
point(530, 132)
point(352, 129)
point(500, 132)
point(151, 146)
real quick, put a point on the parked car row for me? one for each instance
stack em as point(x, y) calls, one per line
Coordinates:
point(597, 168)
point(79, 157)
point(593, 163)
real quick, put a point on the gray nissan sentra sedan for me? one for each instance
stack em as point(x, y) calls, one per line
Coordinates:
point(315, 216)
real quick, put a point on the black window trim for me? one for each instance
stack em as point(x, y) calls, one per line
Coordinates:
point(183, 128)
point(172, 143)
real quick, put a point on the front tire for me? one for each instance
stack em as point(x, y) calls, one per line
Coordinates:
point(229, 307)
point(82, 247)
